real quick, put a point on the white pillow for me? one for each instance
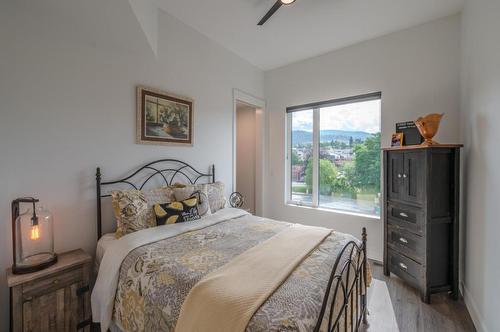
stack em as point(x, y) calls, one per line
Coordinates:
point(200, 191)
point(214, 191)
point(216, 196)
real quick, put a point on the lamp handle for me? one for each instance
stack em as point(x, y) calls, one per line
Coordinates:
point(26, 200)
point(15, 214)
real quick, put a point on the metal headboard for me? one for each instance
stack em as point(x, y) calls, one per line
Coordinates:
point(166, 170)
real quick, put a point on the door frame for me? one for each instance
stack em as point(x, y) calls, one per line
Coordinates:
point(240, 96)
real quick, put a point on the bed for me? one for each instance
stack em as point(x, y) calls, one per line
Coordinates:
point(145, 277)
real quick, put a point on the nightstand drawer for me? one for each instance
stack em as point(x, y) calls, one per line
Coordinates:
point(407, 243)
point(52, 283)
point(406, 217)
point(405, 268)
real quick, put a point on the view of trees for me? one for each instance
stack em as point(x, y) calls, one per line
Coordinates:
point(295, 158)
point(367, 165)
point(359, 176)
point(327, 176)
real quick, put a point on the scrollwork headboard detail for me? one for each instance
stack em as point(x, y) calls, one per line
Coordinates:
point(165, 170)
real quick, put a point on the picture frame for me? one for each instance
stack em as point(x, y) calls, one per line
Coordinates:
point(410, 132)
point(397, 140)
point(163, 118)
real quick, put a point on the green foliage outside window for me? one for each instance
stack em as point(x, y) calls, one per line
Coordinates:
point(367, 164)
point(327, 176)
point(295, 158)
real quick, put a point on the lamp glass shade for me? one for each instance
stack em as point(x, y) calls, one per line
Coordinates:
point(34, 240)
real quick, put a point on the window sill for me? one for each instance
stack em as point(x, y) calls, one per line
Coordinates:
point(322, 209)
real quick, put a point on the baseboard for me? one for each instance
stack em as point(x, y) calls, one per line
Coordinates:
point(376, 261)
point(473, 311)
point(377, 256)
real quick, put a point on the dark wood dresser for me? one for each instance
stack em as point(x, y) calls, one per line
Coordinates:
point(421, 217)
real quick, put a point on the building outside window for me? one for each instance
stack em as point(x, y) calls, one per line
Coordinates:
point(333, 154)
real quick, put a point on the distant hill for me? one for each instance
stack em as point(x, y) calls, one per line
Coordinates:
point(303, 137)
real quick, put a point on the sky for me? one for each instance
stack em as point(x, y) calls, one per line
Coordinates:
point(361, 116)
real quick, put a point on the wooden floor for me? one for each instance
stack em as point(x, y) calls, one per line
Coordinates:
point(443, 314)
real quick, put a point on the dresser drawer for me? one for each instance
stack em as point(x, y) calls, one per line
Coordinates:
point(405, 268)
point(407, 217)
point(407, 243)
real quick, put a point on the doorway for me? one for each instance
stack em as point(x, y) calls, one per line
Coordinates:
point(248, 151)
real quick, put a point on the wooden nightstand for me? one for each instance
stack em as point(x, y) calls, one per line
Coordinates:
point(54, 299)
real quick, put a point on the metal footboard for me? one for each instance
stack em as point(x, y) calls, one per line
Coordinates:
point(344, 306)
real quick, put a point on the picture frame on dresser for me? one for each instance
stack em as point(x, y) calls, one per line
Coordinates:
point(421, 216)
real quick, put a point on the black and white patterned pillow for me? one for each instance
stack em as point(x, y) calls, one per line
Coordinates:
point(177, 212)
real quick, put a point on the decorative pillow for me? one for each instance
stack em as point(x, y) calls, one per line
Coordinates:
point(177, 212)
point(134, 208)
point(197, 190)
point(216, 197)
point(159, 196)
point(131, 211)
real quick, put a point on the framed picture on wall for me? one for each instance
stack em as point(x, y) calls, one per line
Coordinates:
point(163, 118)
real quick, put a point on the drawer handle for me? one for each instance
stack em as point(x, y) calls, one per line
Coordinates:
point(402, 239)
point(399, 175)
point(404, 215)
point(403, 266)
point(405, 176)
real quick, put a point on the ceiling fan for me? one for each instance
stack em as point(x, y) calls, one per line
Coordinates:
point(273, 10)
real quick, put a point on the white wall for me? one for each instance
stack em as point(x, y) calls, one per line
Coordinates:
point(68, 72)
point(481, 187)
point(417, 71)
point(246, 150)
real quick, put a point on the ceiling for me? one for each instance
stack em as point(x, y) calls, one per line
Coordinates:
point(304, 29)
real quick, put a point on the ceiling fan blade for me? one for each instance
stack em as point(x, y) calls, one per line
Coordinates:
point(270, 13)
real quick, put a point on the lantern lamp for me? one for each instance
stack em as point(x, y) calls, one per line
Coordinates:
point(32, 237)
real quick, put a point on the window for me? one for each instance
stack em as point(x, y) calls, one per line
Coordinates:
point(333, 154)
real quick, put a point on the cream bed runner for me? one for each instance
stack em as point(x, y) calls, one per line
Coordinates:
point(226, 299)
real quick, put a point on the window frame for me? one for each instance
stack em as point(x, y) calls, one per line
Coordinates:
point(316, 107)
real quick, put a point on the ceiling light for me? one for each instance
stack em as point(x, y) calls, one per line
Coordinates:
point(287, 2)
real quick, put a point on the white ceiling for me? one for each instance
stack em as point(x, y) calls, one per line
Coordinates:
point(303, 29)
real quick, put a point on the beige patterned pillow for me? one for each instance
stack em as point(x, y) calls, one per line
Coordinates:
point(134, 208)
point(216, 197)
point(200, 190)
point(159, 195)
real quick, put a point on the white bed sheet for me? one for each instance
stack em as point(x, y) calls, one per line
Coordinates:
point(102, 245)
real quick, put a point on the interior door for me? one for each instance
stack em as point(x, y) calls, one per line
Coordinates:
point(395, 185)
point(246, 155)
point(414, 176)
